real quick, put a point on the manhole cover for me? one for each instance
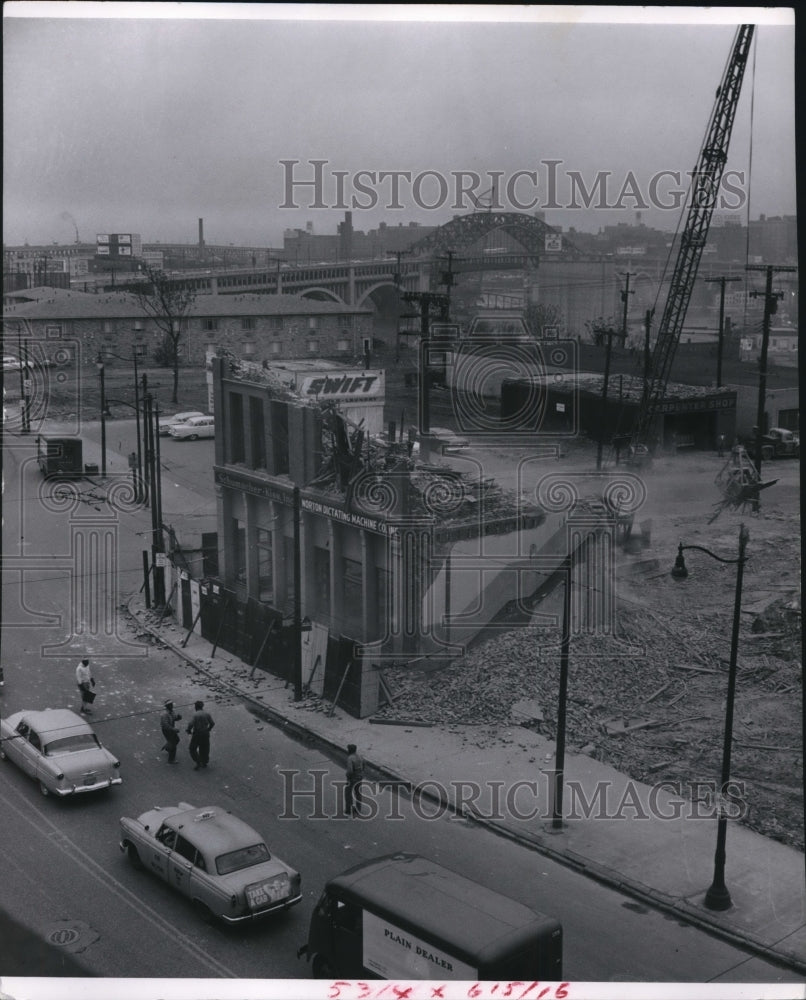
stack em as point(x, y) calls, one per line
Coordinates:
point(64, 936)
point(72, 935)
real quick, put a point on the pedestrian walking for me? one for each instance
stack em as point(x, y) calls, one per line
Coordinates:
point(85, 682)
point(721, 446)
point(355, 775)
point(168, 721)
point(199, 729)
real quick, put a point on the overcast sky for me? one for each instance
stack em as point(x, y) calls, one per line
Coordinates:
point(145, 124)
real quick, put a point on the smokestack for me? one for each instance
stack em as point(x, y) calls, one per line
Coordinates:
point(201, 232)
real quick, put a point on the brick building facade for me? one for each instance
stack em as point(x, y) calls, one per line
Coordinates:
point(257, 327)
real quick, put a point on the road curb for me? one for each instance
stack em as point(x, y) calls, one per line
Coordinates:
point(678, 908)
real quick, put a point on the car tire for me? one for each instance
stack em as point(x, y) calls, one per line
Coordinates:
point(133, 857)
point(320, 968)
point(193, 437)
point(43, 788)
point(204, 911)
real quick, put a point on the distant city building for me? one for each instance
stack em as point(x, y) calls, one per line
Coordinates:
point(115, 245)
point(258, 327)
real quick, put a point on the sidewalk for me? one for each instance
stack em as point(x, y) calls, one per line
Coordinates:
point(665, 862)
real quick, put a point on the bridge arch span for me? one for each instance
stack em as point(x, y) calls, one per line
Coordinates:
point(367, 294)
point(465, 230)
point(321, 294)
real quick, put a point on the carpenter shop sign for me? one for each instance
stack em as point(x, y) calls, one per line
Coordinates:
point(695, 404)
point(256, 487)
point(342, 385)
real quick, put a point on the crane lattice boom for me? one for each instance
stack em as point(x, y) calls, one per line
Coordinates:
point(705, 183)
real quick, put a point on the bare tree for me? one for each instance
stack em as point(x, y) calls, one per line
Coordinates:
point(545, 321)
point(167, 303)
point(600, 329)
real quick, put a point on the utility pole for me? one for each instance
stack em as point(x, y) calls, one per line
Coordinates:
point(398, 280)
point(625, 298)
point(770, 307)
point(723, 280)
point(146, 460)
point(156, 528)
point(647, 353)
point(609, 332)
point(448, 279)
point(426, 301)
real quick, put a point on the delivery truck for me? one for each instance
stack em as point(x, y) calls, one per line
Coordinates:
point(403, 916)
point(60, 456)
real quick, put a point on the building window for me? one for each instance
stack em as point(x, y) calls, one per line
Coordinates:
point(239, 550)
point(108, 328)
point(276, 347)
point(247, 322)
point(288, 559)
point(138, 326)
point(53, 332)
point(265, 565)
point(313, 345)
point(321, 583)
point(279, 438)
point(352, 599)
point(249, 347)
point(209, 324)
point(383, 597)
point(141, 350)
point(236, 427)
point(343, 344)
point(257, 431)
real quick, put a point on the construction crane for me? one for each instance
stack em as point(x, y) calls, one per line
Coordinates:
point(705, 183)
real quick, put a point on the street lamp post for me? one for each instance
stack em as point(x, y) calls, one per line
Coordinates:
point(99, 364)
point(717, 897)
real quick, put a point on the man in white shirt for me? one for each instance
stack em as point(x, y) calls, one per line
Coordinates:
point(85, 682)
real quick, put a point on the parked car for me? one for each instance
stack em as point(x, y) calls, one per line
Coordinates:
point(11, 364)
point(178, 418)
point(57, 748)
point(447, 439)
point(212, 857)
point(780, 443)
point(194, 428)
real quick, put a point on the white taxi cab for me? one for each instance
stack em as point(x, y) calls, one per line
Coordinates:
point(215, 859)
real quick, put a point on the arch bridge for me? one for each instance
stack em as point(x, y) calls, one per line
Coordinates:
point(481, 241)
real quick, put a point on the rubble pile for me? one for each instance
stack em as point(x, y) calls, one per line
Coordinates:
point(649, 700)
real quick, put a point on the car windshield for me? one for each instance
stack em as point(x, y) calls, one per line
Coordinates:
point(245, 857)
point(65, 744)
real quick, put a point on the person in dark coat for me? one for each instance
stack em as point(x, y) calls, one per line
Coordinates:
point(355, 775)
point(199, 728)
point(168, 721)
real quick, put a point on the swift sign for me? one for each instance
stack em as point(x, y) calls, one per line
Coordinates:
point(352, 386)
